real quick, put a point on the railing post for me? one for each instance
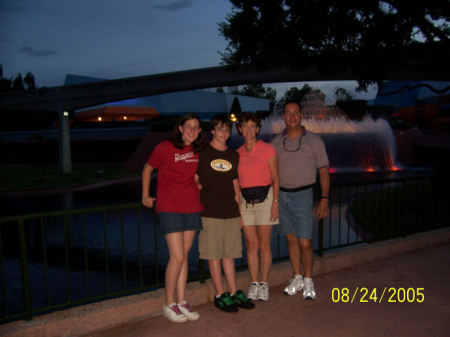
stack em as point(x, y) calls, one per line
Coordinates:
point(320, 249)
point(24, 267)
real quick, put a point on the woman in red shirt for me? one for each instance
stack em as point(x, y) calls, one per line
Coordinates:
point(258, 179)
point(178, 207)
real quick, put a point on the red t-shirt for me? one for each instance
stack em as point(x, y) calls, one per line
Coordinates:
point(253, 166)
point(176, 190)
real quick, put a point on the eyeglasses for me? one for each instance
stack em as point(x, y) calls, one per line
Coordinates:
point(222, 129)
point(298, 147)
point(190, 127)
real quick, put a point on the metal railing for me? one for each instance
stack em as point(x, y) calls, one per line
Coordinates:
point(55, 260)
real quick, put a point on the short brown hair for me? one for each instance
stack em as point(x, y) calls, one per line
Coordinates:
point(248, 117)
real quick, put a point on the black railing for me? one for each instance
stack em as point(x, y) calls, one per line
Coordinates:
point(55, 260)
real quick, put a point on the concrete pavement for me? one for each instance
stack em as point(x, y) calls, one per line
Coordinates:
point(402, 276)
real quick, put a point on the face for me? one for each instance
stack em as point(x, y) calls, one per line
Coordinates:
point(249, 130)
point(221, 133)
point(292, 115)
point(189, 131)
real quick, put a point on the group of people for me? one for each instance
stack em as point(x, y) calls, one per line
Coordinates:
point(219, 191)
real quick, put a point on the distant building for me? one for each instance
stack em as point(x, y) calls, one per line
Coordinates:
point(425, 104)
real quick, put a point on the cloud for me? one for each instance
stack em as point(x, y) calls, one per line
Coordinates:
point(30, 51)
point(174, 5)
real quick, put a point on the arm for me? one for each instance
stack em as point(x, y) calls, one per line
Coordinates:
point(197, 181)
point(147, 201)
point(237, 191)
point(273, 165)
point(324, 177)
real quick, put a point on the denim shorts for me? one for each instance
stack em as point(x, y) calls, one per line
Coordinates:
point(179, 222)
point(296, 213)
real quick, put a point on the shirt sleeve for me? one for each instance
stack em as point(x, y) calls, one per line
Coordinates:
point(156, 158)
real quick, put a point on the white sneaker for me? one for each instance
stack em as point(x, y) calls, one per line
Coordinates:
point(187, 311)
point(253, 291)
point(294, 286)
point(263, 293)
point(308, 289)
point(172, 313)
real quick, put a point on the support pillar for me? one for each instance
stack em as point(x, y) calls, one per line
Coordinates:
point(65, 156)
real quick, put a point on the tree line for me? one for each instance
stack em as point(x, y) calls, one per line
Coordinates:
point(19, 83)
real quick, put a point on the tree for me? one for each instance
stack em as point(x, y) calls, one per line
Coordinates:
point(296, 94)
point(5, 83)
point(342, 95)
point(17, 84)
point(335, 34)
point(236, 107)
point(29, 81)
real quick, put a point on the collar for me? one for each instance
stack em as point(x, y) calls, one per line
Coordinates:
point(284, 133)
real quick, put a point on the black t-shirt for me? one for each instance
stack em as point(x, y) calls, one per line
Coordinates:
point(217, 170)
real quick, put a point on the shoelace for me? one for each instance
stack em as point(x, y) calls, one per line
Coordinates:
point(309, 287)
point(175, 309)
point(187, 306)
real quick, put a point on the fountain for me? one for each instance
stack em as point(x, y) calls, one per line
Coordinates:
point(366, 145)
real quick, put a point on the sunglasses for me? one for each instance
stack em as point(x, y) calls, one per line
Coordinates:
point(290, 150)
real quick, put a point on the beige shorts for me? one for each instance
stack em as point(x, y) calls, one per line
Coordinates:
point(258, 214)
point(220, 239)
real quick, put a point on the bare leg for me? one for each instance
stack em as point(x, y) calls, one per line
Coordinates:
point(216, 275)
point(251, 240)
point(230, 274)
point(175, 244)
point(265, 251)
point(294, 252)
point(307, 254)
point(182, 278)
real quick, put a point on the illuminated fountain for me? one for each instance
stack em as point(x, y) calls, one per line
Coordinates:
point(351, 145)
point(367, 145)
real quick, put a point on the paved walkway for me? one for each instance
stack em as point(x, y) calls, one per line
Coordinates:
point(292, 316)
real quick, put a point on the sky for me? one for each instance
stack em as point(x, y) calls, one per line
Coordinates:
point(113, 39)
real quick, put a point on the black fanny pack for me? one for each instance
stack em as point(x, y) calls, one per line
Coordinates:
point(255, 195)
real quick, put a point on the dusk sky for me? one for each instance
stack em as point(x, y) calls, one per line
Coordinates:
point(113, 39)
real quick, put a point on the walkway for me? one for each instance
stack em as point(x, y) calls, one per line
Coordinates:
point(292, 316)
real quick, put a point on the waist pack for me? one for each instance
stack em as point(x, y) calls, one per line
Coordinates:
point(255, 195)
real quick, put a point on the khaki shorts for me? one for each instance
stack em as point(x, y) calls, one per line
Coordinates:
point(258, 214)
point(220, 239)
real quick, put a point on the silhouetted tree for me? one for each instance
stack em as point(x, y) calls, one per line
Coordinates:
point(335, 34)
point(18, 83)
point(29, 81)
point(5, 83)
point(236, 107)
point(342, 95)
point(296, 94)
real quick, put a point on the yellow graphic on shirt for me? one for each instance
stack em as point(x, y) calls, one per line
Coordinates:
point(221, 165)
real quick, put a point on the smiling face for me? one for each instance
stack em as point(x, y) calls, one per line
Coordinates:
point(292, 115)
point(190, 131)
point(249, 130)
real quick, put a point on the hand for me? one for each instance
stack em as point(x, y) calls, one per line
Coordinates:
point(322, 208)
point(274, 212)
point(241, 223)
point(148, 201)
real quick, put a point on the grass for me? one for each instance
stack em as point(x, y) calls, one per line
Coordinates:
point(400, 210)
point(33, 178)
